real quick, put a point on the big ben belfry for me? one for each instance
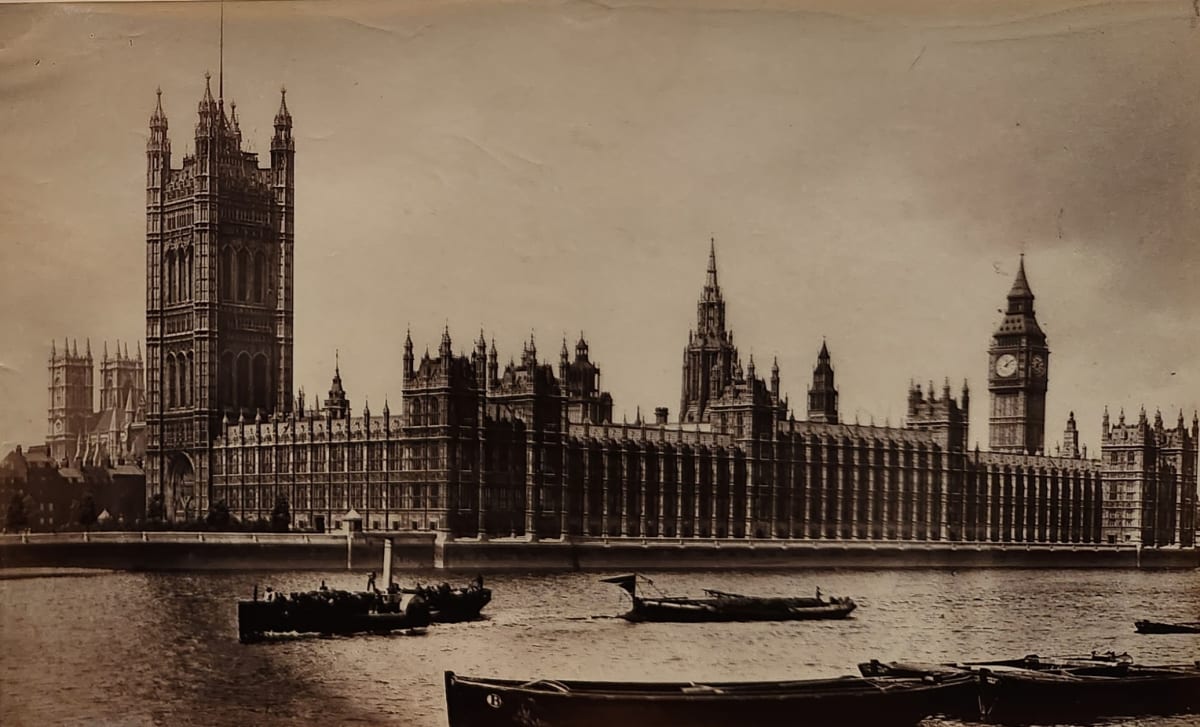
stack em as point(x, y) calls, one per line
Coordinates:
point(1017, 375)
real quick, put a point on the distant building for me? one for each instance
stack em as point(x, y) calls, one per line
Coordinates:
point(52, 494)
point(78, 434)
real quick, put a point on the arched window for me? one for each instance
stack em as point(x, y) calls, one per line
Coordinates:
point(243, 271)
point(262, 383)
point(260, 278)
point(243, 381)
point(227, 274)
point(225, 400)
point(191, 379)
point(190, 292)
point(433, 412)
point(169, 381)
point(415, 413)
point(169, 284)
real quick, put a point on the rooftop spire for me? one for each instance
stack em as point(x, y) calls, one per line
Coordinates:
point(283, 116)
point(710, 280)
point(1020, 288)
point(158, 118)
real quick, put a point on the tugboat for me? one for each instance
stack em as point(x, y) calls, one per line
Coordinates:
point(328, 611)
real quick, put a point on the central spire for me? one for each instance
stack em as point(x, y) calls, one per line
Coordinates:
point(710, 281)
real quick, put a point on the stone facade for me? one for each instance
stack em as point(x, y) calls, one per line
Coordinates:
point(480, 452)
point(219, 234)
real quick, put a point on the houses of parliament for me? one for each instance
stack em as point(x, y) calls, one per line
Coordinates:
point(530, 449)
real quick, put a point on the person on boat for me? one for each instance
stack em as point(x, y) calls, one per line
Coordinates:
point(371, 582)
point(818, 593)
point(323, 586)
point(477, 584)
point(444, 589)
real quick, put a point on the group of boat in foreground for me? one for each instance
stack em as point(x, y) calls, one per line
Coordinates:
point(1011, 691)
point(895, 693)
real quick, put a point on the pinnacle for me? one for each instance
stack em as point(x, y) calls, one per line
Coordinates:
point(1020, 288)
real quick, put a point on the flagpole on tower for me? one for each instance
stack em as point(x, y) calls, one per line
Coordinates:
point(221, 59)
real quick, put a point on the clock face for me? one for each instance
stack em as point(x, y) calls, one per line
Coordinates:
point(1039, 366)
point(1006, 365)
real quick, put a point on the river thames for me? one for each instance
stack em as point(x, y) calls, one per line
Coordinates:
point(162, 648)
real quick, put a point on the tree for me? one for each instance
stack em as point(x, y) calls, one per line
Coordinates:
point(87, 511)
point(16, 517)
point(156, 512)
point(218, 516)
point(281, 516)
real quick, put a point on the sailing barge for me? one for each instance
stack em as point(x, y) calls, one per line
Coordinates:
point(723, 606)
point(475, 702)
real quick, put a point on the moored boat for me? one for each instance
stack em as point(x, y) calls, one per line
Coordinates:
point(1069, 689)
point(1156, 627)
point(1119, 690)
point(474, 702)
point(724, 606)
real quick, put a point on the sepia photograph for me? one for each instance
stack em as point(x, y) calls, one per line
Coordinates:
point(593, 363)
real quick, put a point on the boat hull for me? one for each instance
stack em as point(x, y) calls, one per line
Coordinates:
point(846, 701)
point(1042, 697)
point(724, 609)
point(1154, 627)
point(260, 619)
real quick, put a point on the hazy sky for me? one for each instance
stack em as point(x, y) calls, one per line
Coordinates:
point(870, 175)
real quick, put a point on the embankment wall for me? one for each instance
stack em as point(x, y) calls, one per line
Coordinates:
point(298, 551)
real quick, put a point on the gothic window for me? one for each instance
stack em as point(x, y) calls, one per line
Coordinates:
point(180, 277)
point(261, 383)
point(185, 380)
point(433, 412)
point(169, 269)
point(170, 381)
point(260, 278)
point(227, 274)
point(242, 380)
point(225, 381)
point(243, 271)
point(415, 412)
point(190, 292)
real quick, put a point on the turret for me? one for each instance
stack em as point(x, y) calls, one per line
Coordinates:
point(563, 361)
point(493, 366)
point(408, 355)
point(1071, 438)
point(479, 362)
point(444, 350)
point(823, 395)
point(775, 379)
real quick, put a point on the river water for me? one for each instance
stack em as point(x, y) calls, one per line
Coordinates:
point(162, 649)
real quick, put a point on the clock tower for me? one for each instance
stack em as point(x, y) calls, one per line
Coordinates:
point(1018, 361)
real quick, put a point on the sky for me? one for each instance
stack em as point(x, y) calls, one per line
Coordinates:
point(870, 172)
